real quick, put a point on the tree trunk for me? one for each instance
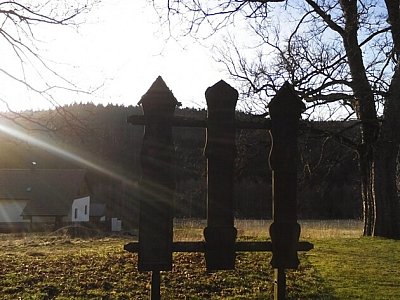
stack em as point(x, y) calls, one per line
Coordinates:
point(386, 199)
point(366, 166)
point(364, 106)
point(387, 223)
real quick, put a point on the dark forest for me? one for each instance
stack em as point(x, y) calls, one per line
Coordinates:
point(328, 179)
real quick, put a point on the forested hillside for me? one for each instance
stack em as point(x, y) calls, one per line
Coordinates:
point(102, 141)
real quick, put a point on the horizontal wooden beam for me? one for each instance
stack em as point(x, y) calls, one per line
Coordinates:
point(188, 122)
point(239, 246)
point(254, 124)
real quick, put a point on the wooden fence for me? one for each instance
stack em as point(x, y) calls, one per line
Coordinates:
point(155, 246)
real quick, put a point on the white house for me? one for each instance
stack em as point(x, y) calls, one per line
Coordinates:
point(80, 209)
point(30, 196)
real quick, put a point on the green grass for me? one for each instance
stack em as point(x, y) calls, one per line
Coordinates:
point(342, 266)
point(358, 268)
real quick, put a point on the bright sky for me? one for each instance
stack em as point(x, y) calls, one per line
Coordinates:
point(119, 48)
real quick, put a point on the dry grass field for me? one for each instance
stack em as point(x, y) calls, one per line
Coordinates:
point(342, 265)
point(258, 229)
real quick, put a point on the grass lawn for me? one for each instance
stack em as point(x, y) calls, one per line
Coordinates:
point(342, 266)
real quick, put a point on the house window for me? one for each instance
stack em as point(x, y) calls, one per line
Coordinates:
point(76, 213)
point(85, 209)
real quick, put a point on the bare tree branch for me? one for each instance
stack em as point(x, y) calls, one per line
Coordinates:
point(18, 21)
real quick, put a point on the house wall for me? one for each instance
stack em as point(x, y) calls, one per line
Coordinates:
point(10, 210)
point(80, 209)
point(43, 219)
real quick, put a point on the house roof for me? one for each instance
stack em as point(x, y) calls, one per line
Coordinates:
point(97, 210)
point(51, 191)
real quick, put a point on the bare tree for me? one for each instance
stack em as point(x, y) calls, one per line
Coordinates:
point(341, 55)
point(20, 21)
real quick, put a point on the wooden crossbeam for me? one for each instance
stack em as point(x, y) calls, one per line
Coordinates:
point(133, 247)
point(188, 122)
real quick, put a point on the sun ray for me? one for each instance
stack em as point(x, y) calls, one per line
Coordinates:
point(18, 134)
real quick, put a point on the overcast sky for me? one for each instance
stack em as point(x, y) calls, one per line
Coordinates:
point(119, 48)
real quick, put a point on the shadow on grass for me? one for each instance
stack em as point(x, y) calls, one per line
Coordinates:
point(252, 279)
point(307, 282)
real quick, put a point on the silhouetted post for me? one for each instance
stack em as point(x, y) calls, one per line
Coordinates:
point(285, 111)
point(220, 233)
point(155, 285)
point(158, 182)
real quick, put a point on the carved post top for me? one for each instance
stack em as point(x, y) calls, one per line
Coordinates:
point(221, 99)
point(285, 110)
point(158, 100)
point(286, 103)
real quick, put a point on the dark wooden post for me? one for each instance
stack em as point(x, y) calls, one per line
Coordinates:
point(220, 233)
point(155, 293)
point(158, 182)
point(285, 111)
